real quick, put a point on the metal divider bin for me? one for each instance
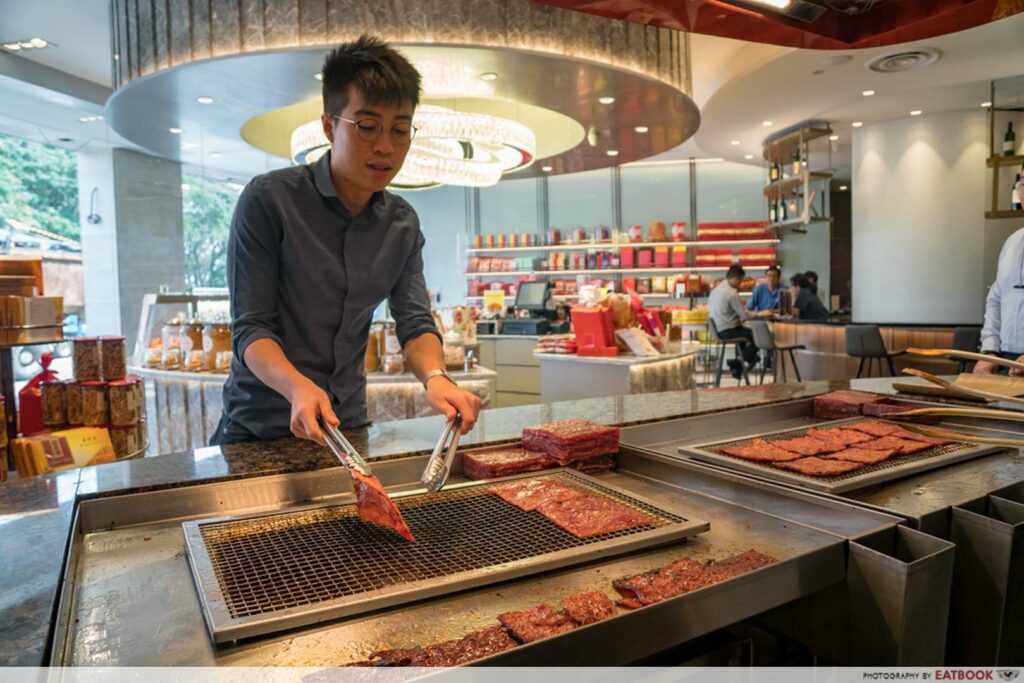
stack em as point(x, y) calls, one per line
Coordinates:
point(898, 584)
point(988, 591)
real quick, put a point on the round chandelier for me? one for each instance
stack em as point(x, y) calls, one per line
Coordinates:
point(450, 148)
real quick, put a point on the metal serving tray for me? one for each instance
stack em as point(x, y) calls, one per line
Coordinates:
point(265, 573)
point(894, 468)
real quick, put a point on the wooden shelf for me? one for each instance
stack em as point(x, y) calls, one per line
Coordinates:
point(1004, 214)
point(796, 222)
point(778, 149)
point(609, 271)
point(1017, 160)
point(781, 187)
point(617, 245)
point(650, 295)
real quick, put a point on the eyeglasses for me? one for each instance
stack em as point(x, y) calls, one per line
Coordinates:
point(369, 130)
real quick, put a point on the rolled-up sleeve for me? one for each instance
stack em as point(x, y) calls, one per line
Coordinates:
point(254, 250)
point(409, 300)
point(990, 338)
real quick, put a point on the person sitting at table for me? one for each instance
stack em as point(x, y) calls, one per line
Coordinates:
point(726, 310)
point(806, 305)
point(812, 279)
point(765, 299)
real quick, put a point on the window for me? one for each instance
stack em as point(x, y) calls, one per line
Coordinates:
point(208, 206)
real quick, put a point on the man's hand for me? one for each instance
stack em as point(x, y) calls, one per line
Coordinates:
point(308, 403)
point(447, 399)
point(1014, 372)
point(984, 368)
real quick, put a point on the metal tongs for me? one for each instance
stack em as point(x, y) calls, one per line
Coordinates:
point(343, 450)
point(439, 466)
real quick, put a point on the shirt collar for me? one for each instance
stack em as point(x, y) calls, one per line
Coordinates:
point(325, 185)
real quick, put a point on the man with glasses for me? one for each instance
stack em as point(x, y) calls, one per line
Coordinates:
point(314, 249)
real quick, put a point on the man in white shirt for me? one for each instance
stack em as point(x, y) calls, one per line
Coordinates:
point(728, 314)
point(1003, 333)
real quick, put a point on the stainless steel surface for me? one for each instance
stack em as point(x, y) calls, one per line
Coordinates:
point(439, 467)
point(267, 573)
point(130, 598)
point(343, 450)
point(894, 468)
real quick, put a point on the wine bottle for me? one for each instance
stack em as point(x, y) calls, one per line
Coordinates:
point(773, 211)
point(783, 213)
point(796, 161)
point(773, 174)
point(1009, 141)
point(1015, 198)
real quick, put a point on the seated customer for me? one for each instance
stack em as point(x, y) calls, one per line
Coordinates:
point(812, 278)
point(765, 299)
point(806, 305)
point(726, 310)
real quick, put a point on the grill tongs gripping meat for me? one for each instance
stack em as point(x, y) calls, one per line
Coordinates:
point(343, 450)
point(439, 466)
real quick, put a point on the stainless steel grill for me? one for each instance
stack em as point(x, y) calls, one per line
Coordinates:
point(265, 573)
point(894, 468)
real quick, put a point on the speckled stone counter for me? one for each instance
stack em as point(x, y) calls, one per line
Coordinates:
point(36, 514)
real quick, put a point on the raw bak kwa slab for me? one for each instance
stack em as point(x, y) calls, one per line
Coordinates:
point(842, 404)
point(875, 428)
point(901, 446)
point(819, 467)
point(375, 507)
point(862, 455)
point(536, 623)
point(760, 450)
point(804, 445)
point(588, 516)
point(838, 437)
point(602, 463)
point(882, 408)
point(531, 494)
point(589, 608)
point(503, 463)
point(568, 440)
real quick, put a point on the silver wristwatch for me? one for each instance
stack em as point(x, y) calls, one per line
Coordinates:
point(434, 373)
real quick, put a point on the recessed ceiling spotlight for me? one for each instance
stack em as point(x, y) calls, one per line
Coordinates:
point(606, 99)
point(176, 131)
point(27, 44)
point(641, 129)
point(13, 47)
point(857, 124)
point(734, 142)
point(868, 93)
point(318, 76)
point(833, 137)
point(90, 119)
point(204, 99)
point(612, 152)
point(986, 104)
point(842, 188)
point(766, 124)
point(748, 156)
point(546, 169)
point(916, 112)
point(215, 155)
point(38, 42)
point(489, 76)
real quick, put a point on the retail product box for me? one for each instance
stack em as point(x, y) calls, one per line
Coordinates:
point(627, 257)
point(31, 267)
point(661, 257)
point(32, 310)
point(644, 258)
point(62, 450)
point(678, 257)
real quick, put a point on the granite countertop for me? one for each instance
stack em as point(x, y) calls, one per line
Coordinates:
point(36, 514)
point(371, 378)
point(687, 349)
point(843, 321)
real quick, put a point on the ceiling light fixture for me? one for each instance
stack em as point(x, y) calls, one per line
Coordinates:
point(833, 137)
point(734, 142)
point(27, 44)
point(38, 43)
point(857, 124)
point(916, 112)
point(176, 131)
point(318, 76)
point(766, 124)
point(607, 99)
point(868, 93)
point(842, 188)
point(90, 119)
point(489, 76)
point(986, 105)
point(204, 99)
point(215, 155)
point(13, 47)
point(641, 129)
point(748, 156)
point(612, 152)
point(546, 169)
point(777, 4)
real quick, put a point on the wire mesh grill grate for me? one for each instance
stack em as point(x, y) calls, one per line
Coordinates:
point(275, 562)
point(894, 464)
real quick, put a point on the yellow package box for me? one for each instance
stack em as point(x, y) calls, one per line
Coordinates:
point(63, 450)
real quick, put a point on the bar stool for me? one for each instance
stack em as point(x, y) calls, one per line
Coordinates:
point(966, 339)
point(737, 344)
point(865, 342)
point(764, 340)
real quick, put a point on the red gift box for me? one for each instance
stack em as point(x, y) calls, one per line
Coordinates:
point(627, 257)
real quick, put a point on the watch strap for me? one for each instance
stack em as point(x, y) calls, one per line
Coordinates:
point(437, 372)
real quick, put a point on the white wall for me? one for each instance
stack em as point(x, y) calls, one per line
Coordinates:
point(442, 213)
point(918, 219)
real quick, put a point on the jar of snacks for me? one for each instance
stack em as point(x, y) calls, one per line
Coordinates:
point(113, 358)
point(554, 237)
point(170, 358)
point(95, 411)
point(216, 339)
point(141, 435)
point(679, 231)
point(656, 232)
point(392, 362)
point(191, 339)
point(73, 402)
point(54, 411)
point(125, 441)
point(86, 359)
point(454, 349)
point(373, 345)
point(636, 233)
point(123, 399)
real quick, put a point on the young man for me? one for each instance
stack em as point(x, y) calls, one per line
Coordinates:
point(728, 314)
point(314, 249)
point(806, 305)
point(1003, 332)
point(765, 299)
point(812, 279)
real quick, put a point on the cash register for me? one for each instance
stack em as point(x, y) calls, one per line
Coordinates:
point(533, 297)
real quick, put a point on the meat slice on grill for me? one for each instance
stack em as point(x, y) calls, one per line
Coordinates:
point(530, 494)
point(737, 565)
point(503, 462)
point(568, 440)
point(865, 456)
point(875, 427)
point(842, 403)
point(374, 505)
point(590, 516)
point(413, 656)
point(819, 467)
point(901, 446)
point(760, 450)
point(536, 623)
point(838, 437)
point(589, 608)
point(469, 648)
point(803, 445)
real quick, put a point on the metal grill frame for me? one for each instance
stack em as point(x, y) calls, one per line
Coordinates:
point(869, 475)
point(224, 627)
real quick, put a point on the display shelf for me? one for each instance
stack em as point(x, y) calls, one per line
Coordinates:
point(781, 148)
point(794, 222)
point(1004, 214)
point(995, 161)
point(610, 271)
point(618, 245)
point(649, 295)
point(779, 188)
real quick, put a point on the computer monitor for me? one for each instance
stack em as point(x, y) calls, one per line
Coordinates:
point(533, 295)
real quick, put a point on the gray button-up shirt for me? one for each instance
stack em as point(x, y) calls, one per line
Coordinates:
point(306, 274)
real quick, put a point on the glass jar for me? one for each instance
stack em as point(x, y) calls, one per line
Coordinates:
point(73, 402)
point(54, 410)
point(113, 358)
point(373, 345)
point(123, 398)
point(95, 411)
point(86, 359)
point(454, 350)
point(392, 361)
point(191, 338)
point(216, 339)
point(171, 337)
